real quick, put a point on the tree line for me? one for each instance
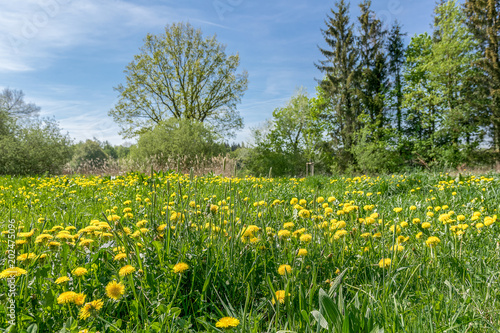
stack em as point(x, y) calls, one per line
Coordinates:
point(381, 104)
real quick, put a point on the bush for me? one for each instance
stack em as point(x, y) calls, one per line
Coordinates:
point(187, 140)
point(376, 155)
point(88, 153)
point(35, 146)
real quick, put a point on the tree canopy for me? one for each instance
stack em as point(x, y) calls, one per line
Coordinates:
point(180, 74)
point(12, 102)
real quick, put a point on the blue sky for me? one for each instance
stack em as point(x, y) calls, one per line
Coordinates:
point(67, 55)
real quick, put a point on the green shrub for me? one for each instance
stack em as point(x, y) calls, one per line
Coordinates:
point(88, 153)
point(34, 146)
point(187, 140)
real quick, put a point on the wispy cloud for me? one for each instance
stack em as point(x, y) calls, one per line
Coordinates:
point(36, 32)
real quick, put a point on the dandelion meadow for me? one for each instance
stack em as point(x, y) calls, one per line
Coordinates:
point(183, 253)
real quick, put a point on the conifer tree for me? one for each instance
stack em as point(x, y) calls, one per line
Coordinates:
point(373, 79)
point(396, 59)
point(340, 68)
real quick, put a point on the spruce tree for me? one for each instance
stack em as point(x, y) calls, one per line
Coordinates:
point(373, 80)
point(396, 59)
point(340, 68)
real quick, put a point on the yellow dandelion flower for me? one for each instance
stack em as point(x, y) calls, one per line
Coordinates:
point(62, 279)
point(80, 271)
point(120, 256)
point(180, 267)
point(66, 297)
point(384, 263)
point(304, 213)
point(126, 270)
point(302, 253)
point(284, 234)
point(85, 242)
point(432, 241)
point(26, 256)
point(280, 296)
point(90, 309)
point(79, 299)
point(284, 269)
point(306, 238)
point(397, 247)
point(12, 272)
point(115, 290)
point(227, 322)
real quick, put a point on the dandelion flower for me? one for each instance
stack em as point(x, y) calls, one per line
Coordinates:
point(305, 238)
point(227, 322)
point(284, 234)
point(384, 263)
point(120, 256)
point(115, 290)
point(62, 279)
point(304, 213)
point(80, 271)
point(397, 248)
point(302, 253)
point(26, 256)
point(432, 241)
point(66, 297)
point(12, 272)
point(180, 267)
point(126, 270)
point(79, 299)
point(284, 269)
point(280, 296)
point(90, 308)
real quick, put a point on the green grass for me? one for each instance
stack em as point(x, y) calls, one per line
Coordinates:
point(201, 221)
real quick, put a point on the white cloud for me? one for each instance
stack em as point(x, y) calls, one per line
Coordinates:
point(36, 32)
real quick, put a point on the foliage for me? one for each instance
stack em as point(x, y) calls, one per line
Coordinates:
point(33, 146)
point(12, 102)
point(182, 75)
point(442, 119)
point(373, 81)
point(396, 59)
point(483, 20)
point(292, 138)
point(376, 156)
point(184, 138)
point(87, 152)
point(339, 84)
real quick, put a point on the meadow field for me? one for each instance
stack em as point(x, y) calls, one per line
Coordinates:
point(184, 253)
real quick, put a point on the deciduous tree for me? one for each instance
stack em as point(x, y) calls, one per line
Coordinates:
point(180, 74)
